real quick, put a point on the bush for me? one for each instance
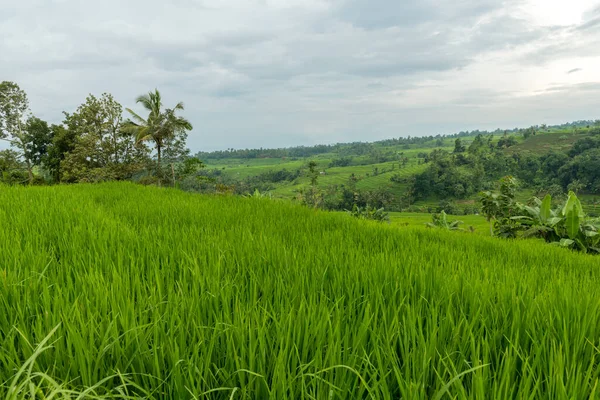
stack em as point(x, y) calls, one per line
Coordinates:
point(370, 213)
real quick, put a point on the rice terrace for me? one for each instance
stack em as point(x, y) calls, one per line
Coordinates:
point(325, 200)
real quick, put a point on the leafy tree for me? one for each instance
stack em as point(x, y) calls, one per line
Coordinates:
point(506, 141)
point(63, 142)
point(477, 146)
point(14, 107)
point(341, 162)
point(583, 145)
point(164, 128)
point(531, 131)
point(102, 149)
point(576, 186)
point(313, 173)
point(38, 136)
point(459, 147)
point(188, 168)
point(312, 197)
point(12, 170)
point(498, 208)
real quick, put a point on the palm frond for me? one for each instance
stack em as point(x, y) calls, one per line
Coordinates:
point(136, 117)
point(146, 101)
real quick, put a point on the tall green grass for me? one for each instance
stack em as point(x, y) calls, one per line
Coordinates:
point(117, 291)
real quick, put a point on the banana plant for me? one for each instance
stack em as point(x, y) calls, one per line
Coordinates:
point(441, 221)
point(368, 212)
point(566, 226)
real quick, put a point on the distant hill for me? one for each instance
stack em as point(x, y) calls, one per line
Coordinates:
point(417, 173)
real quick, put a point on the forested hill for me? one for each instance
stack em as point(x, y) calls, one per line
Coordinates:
point(417, 174)
point(359, 148)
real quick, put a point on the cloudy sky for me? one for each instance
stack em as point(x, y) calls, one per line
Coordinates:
point(277, 73)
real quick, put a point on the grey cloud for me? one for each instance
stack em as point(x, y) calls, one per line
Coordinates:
point(592, 20)
point(376, 14)
point(580, 40)
point(572, 71)
point(261, 73)
point(592, 24)
point(580, 87)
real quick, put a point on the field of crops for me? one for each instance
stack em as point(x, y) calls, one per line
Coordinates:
point(163, 294)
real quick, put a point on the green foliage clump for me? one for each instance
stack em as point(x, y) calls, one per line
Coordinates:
point(441, 221)
point(567, 225)
point(370, 213)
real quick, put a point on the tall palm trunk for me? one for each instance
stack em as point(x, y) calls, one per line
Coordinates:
point(29, 171)
point(158, 161)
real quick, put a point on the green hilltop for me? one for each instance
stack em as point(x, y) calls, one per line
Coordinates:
point(419, 174)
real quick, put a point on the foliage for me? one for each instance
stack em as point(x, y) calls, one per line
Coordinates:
point(341, 162)
point(258, 195)
point(313, 173)
point(63, 142)
point(567, 226)
point(165, 129)
point(12, 169)
point(459, 147)
point(101, 150)
point(500, 208)
point(14, 107)
point(312, 197)
point(441, 221)
point(370, 213)
point(37, 137)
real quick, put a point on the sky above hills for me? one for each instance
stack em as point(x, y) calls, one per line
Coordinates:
point(274, 73)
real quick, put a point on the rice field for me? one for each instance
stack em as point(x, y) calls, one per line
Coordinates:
point(123, 291)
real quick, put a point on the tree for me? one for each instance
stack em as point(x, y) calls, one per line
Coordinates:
point(162, 127)
point(63, 142)
point(500, 207)
point(37, 137)
point(477, 146)
point(102, 150)
point(11, 168)
point(576, 186)
point(186, 169)
point(459, 147)
point(313, 173)
point(14, 107)
point(531, 131)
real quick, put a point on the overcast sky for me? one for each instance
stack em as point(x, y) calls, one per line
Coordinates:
point(275, 73)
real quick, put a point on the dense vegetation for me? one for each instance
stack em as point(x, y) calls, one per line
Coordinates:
point(430, 174)
point(93, 144)
point(146, 294)
point(427, 174)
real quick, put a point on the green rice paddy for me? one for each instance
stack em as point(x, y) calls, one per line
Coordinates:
point(124, 291)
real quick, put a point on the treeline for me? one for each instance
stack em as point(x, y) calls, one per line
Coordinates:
point(362, 148)
point(94, 143)
point(466, 171)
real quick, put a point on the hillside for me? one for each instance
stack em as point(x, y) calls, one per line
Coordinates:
point(391, 173)
point(169, 295)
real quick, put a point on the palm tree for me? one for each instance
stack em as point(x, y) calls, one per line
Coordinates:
point(160, 126)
